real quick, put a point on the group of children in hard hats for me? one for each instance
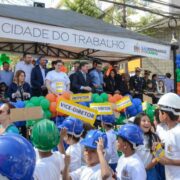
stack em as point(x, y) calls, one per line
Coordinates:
point(93, 154)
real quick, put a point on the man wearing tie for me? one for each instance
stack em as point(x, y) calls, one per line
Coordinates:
point(81, 82)
point(38, 75)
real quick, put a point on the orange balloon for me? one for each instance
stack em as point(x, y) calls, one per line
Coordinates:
point(66, 95)
point(109, 95)
point(63, 69)
point(117, 97)
point(112, 99)
point(52, 107)
point(51, 97)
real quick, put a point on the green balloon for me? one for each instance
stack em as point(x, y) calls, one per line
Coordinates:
point(31, 123)
point(29, 104)
point(120, 120)
point(26, 102)
point(41, 98)
point(94, 96)
point(47, 114)
point(45, 104)
point(104, 96)
point(35, 101)
point(98, 99)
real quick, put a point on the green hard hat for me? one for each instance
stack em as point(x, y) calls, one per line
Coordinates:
point(45, 135)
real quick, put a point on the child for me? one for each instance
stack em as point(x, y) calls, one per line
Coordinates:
point(161, 127)
point(130, 166)
point(107, 122)
point(71, 131)
point(45, 137)
point(145, 151)
point(17, 158)
point(169, 105)
point(97, 167)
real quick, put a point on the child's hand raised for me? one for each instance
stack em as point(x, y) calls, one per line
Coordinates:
point(100, 145)
point(63, 133)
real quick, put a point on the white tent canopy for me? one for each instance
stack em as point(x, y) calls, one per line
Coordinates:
point(68, 34)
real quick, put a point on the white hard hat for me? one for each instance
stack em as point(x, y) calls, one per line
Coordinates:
point(170, 102)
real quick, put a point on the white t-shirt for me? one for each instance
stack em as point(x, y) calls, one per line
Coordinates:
point(172, 151)
point(130, 168)
point(49, 168)
point(87, 173)
point(59, 81)
point(27, 68)
point(161, 130)
point(143, 151)
point(75, 152)
point(112, 155)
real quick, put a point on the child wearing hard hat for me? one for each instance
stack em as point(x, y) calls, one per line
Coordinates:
point(70, 131)
point(130, 166)
point(145, 151)
point(45, 137)
point(97, 167)
point(17, 158)
point(107, 122)
point(169, 112)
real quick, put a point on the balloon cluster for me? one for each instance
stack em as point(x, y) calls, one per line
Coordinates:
point(4, 58)
point(38, 101)
point(149, 110)
point(178, 72)
point(135, 108)
point(96, 98)
point(54, 100)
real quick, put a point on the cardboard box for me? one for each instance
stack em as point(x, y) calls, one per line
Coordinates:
point(23, 114)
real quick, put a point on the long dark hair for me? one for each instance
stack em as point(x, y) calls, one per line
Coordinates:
point(115, 73)
point(152, 136)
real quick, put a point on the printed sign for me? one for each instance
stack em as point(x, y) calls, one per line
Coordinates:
point(43, 33)
point(102, 108)
point(159, 152)
point(76, 110)
point(86, 97)
point(123, 103)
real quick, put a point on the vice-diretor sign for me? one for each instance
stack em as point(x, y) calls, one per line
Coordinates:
point(76, 110)
point(34, 32)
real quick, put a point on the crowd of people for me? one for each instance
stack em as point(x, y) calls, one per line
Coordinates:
point(37, 80)
point(75, 150)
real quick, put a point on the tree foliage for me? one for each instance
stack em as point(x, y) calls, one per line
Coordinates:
point(86, 7)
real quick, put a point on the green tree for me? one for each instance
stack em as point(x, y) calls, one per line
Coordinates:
point(86, 7)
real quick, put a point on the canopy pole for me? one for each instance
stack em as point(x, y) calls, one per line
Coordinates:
point(174, 50)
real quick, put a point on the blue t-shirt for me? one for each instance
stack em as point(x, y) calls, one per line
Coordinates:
point(12, 129)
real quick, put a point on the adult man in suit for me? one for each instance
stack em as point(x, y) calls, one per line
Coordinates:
point(81, 81)
point(38, 75)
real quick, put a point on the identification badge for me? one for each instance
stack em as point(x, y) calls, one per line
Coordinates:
point(59, 87)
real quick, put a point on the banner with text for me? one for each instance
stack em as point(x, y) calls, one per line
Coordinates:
point(35, 32)
point(123, 103)
point(82, 97)
point(76, 110)
point(102, 108)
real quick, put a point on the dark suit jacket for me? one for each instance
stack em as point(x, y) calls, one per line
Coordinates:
point(78, 80)
point(37, 80)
